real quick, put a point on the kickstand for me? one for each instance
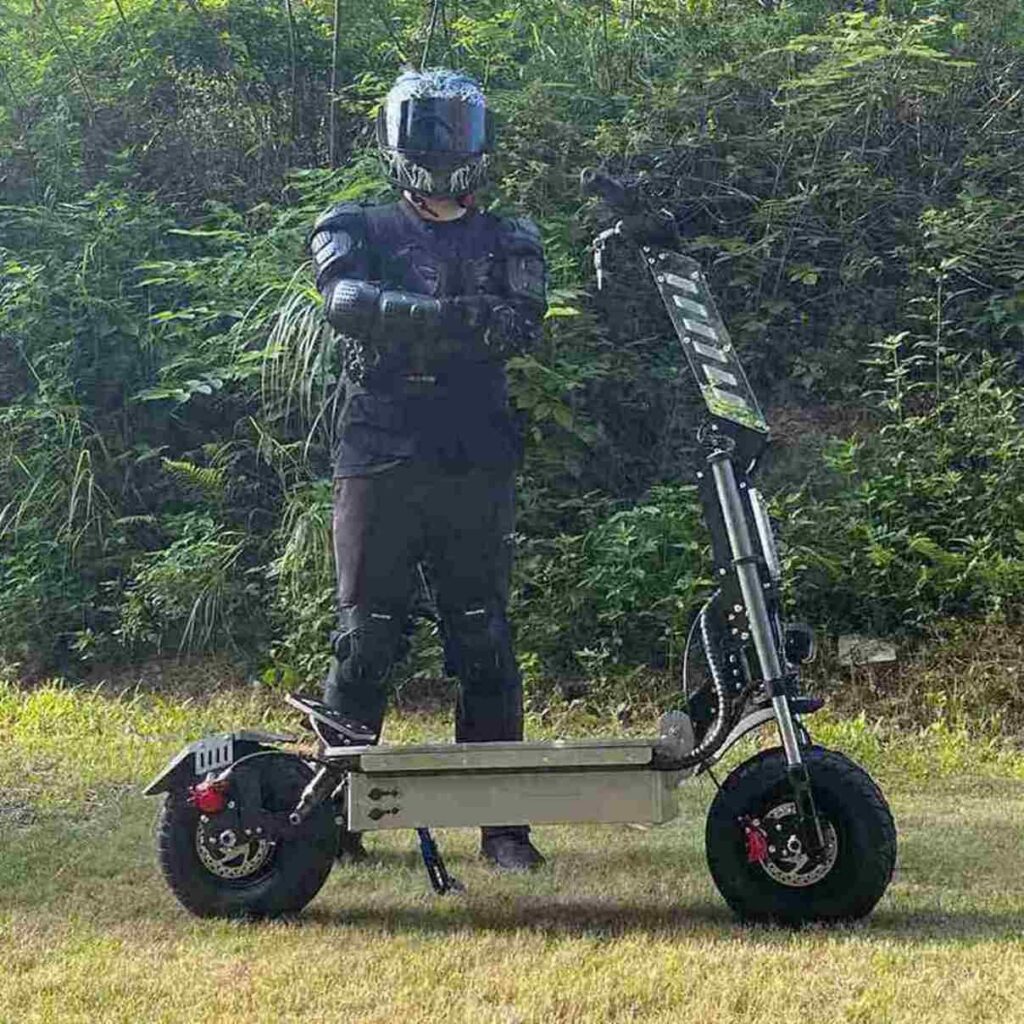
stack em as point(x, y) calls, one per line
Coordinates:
point(440, 881)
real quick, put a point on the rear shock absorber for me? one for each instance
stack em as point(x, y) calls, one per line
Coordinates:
point(316, 790)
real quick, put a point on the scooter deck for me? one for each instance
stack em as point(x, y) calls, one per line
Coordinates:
point(465, 784)
point(509, 756)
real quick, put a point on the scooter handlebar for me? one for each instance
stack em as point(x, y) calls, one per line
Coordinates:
point(640, 223)
point(619, 197)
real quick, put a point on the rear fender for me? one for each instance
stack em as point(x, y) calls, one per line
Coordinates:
point(209, 754)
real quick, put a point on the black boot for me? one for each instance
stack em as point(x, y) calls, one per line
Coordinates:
point(508, 847)
point(334, 727)
point(350, 847)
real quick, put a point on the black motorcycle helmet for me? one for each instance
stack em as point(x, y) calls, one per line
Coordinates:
point(434, 132)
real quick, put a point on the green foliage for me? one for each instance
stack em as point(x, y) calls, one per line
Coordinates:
point(923, 519)
point(189, 591)
point(303, 578)
point(166, 383)
point(618, 594)
point(57, 532)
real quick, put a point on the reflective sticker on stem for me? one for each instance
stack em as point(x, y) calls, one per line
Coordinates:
point(698, 328)
point(682, 284)
point(689, 306)
point(709, 351)
point(717, 376)
point(726, 398)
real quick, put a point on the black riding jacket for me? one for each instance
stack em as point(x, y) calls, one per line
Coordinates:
point(427, 315)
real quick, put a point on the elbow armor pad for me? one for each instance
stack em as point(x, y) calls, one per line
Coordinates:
point(338, 243)
point(525, 272)
point(351, 306)
point(357, 307)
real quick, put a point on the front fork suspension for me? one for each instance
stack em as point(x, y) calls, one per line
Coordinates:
point(746, 563)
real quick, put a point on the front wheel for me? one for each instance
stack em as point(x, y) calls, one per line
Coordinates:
point(773, 879)
point(222, 874)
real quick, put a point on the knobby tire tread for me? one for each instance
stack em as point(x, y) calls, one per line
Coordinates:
point(754, 896)
point(297, 872)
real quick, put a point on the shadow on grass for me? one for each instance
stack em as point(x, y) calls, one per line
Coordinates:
point(579, 863)
point(116, 887)
point(913, 926)
point(550, 918)
point(573, 918)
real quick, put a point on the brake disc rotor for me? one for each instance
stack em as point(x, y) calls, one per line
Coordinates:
point(232, 860)
point(787, 863)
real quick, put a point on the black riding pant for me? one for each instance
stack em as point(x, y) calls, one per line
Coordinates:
point(458, 527)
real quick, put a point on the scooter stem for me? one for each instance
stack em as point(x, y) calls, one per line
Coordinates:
point(745, 562)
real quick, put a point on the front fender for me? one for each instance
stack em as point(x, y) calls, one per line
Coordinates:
point(750, 722)
point(194, 762)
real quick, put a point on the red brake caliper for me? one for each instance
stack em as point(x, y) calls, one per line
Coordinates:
point(757, 842)
point(210, 796)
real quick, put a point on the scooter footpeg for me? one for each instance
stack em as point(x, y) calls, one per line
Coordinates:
point(333, 729)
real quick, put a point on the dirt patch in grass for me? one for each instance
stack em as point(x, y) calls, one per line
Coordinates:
point(15, 814)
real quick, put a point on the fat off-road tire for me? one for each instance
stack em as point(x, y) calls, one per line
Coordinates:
point(859, 828)
point(285, 876)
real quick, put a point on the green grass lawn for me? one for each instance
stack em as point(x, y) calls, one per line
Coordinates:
point(623, 925)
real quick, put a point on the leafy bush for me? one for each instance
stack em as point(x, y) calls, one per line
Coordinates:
point(58, 537)
point(191, 592)
point(303, 580)
point(618, 594)
point(923, 519)
point(166, 380)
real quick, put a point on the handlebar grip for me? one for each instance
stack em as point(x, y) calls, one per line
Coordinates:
point(618, 196)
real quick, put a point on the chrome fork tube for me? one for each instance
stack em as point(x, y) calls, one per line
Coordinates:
point(745, 562)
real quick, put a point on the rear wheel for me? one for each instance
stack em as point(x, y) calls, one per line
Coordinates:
point(767, 876)
point(215, 872)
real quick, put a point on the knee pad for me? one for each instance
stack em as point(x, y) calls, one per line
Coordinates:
point(373, 642)
point(478, 647)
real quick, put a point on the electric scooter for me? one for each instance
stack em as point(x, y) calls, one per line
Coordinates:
point(796, 833)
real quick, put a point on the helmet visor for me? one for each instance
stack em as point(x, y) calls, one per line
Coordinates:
point(437, 128)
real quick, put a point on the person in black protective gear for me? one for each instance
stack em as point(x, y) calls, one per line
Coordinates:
point(429, 297)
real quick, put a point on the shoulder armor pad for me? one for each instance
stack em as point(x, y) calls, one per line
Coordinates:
point(344, 215)
point(338, 240)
